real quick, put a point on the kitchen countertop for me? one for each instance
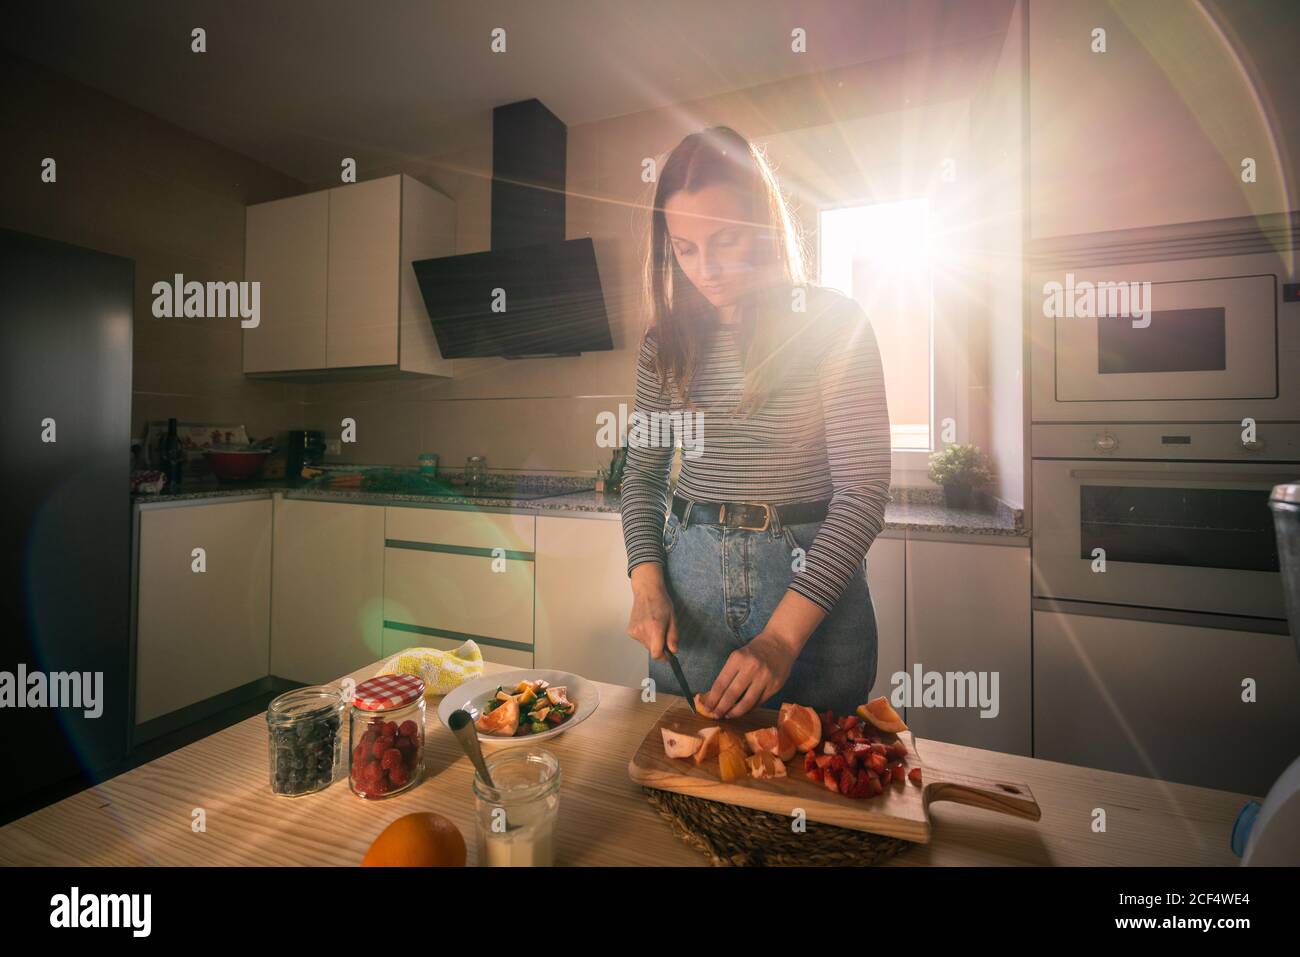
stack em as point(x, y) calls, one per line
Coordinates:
point(143, 817)
point(911, 510)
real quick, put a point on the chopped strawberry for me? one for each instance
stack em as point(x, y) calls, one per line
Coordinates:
point(877, 762)
point(829, 747)
point(809, 761)
point(898, 772)
point(847, 781)
point(828, 722)
point(861, 787)
point(897, 750)
point(855, 734)
point(814, 774)
point(878, 748)
point(851, 758)
point(831, 780)
point(876, 786)
point(850, 721)
point(823, 761)
point(838, 763)
point(914, 775)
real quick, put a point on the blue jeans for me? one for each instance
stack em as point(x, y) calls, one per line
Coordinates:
point(726, 582)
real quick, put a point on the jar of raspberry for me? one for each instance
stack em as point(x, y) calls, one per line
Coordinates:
point(387, 735)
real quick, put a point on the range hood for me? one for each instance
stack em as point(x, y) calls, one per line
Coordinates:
point(535, 293)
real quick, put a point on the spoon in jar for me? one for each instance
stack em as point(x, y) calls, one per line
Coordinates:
point(462, 726)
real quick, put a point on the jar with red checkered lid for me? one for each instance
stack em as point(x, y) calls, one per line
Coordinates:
point(387, 735)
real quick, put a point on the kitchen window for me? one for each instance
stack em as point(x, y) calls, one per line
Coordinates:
point(881, 255)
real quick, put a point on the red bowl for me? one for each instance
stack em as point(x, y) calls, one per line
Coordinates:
point(236, 466)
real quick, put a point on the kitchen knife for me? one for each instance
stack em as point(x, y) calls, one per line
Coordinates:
point(681, 678)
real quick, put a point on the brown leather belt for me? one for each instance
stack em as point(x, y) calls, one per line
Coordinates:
point(750, 516)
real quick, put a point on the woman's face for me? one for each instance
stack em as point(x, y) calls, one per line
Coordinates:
point(715, 244)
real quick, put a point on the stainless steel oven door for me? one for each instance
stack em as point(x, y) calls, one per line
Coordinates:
point(1195, 536)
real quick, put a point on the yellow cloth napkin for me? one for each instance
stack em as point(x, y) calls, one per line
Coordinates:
point(441, 670)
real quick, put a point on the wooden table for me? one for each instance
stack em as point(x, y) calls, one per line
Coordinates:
point(144, 816)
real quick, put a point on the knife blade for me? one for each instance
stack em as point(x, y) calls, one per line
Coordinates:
point(681, 678)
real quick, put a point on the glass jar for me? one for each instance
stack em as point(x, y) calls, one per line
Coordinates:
point(516, 816)
point(305, 739)
point(475, 470)
point(386, 735)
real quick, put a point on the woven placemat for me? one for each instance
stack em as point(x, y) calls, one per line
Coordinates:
point(741, 837)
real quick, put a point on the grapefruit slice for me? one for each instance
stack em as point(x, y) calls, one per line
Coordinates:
point(679, 745)
point(708, 744)
point(764, 739)
point(785, 746)
point(702, 711)
point(801, 725)
point(881, 716)
point(504, 721)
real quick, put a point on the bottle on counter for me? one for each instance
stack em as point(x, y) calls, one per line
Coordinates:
point(173, 456)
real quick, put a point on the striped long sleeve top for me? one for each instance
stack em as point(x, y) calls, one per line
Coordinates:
point(824, 432)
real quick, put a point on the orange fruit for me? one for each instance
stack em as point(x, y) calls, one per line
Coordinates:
point(881, 715)
point(801, 725)
point(417, 840)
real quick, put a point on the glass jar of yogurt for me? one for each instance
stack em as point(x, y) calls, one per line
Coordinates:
point(516, 814)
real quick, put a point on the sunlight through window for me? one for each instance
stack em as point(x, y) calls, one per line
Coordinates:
point(881, 256)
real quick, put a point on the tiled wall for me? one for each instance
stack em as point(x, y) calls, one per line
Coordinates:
point(132, 185)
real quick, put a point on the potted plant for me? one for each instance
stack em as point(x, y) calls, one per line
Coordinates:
point(959, 469)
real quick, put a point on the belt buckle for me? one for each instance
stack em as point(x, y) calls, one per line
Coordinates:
point(767, 517)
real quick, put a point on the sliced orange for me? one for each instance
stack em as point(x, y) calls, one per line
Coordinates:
point(881, 715)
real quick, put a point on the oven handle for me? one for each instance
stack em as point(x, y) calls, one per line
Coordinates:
point(1217, 478)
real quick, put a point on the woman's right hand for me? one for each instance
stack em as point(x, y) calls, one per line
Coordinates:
point(652, 621)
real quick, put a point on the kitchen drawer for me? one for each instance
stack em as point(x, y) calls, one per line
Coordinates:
point(1165, 700)
point(444, 526)
point(396, 640)
point(459, 593)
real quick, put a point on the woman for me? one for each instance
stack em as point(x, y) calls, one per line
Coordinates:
point(774, 390)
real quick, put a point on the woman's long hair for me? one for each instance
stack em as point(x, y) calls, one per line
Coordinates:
point(682, 320)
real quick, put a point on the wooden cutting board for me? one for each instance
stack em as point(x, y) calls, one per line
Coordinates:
point(902, 811)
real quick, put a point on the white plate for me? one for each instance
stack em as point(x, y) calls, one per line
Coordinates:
point(473, 695)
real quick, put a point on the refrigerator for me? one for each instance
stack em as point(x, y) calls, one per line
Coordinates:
point(65, 532)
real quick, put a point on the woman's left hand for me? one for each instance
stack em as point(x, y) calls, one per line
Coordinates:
point(751, 675)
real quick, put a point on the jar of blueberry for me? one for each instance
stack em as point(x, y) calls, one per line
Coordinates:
point(387, 735)
point(305, 735)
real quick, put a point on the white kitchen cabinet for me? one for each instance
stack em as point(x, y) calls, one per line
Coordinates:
point(885, 580)
point(396, 640)
point(584, 601)
point(286, 251)
point(365, 249)
point(968, 616)
point(460, 593)
point(201, 633)
point(1165, 700)
point(460, 573)
point(338, 290)
point(327, 589)
point(1100, 123)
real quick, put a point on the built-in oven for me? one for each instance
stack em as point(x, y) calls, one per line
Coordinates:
point(1159, 516)
point(1182, 340)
